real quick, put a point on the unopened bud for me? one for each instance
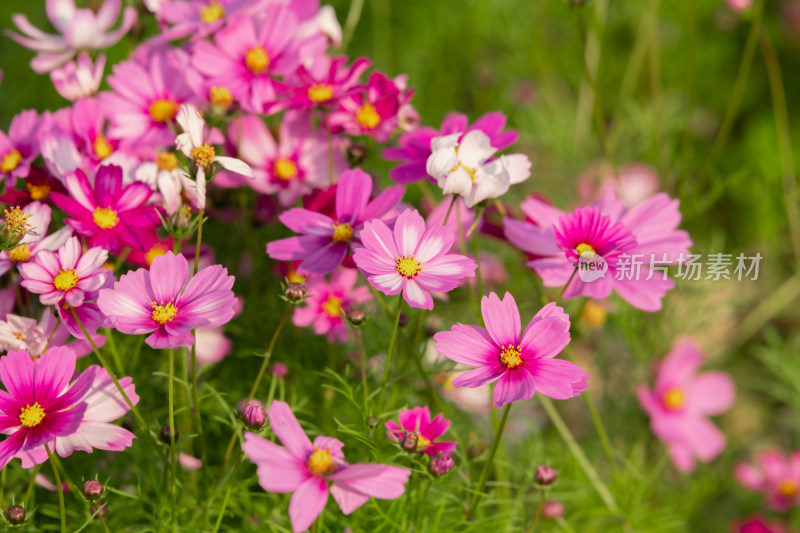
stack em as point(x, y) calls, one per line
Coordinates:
point(441, 464)
point(100, 508)
point(16, 514)
point(357, 317)
point(279, 370)
point(93, 490)
point(356, 153)
point(546, 475)
point(372, 422)
point(295, 292)
point(254, 416)
point(552, 509)
point(410, 441)
point(164, 435)
point(402, 319)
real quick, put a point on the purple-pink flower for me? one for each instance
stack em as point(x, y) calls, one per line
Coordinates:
point(521, 364)
point(775, 475)
point(19, 148)
point(681, 402)
point(412, 259)
point(159, 301)
point(325, 82)
point(306, 469)
point(417, 421)
point(78, 79)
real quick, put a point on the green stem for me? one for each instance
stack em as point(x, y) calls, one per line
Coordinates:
point(538, 512)
point(59, 490)
point(201, 215)
point(222, 509)
point(353, 15)
point(449, 209)
point(421, 505)
point(172, 449)
point(363, 355)
point(564, 288)
point(492, 451)
point(112, 344)
point(31, 484)
point(198, 420)
point(478, 275)
point(389, 352)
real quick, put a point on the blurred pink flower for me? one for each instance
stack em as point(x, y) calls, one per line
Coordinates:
point(417, 420)
point(325, 82)
point(212, 345)
point(20, 147)
point(774, 474)
point(632, 184)
point(78, 79)
point(739, 5)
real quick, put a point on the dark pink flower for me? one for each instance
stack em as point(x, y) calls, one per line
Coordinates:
point(417, 420)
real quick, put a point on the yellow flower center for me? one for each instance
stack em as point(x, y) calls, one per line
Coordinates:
point(155, 251)
point(368, 117)
point(163, 110)
point(342, 232)
point(511, 356)
point(32, 415)
point(333, 306)
point(257, 60)
point(166, 161)
point(19, 335)
point(38, 192)
point(16, 220)
point(163, 313)
point(65, 280)
point(20, 254)
point(10, 161)
point(408, 266)
point(285, 169)
point(294, 277)
point(105, 217)
point(212, 12)
point(203, 155)
point(788, 488)
point(674, 398)
point(101, 147)
point(320, 462)
point(585, 250)
point(320, 93)
point(473, 173)
point(220, 97)
point(422, 441)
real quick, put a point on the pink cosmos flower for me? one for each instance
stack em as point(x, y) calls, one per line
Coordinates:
point(325, 82)
point(324, 241)
point(306, 469)
point(23, 333)
point(35, 238)
point(108, 214)
point(758, 524)
point(328, 302)
point(417, 420)
point(20, 147)
point(161, 302)
point(212, 345)
point(79, 79)
point(290, 166)
point(199, 18)
point(628, 241)
point(66, 275)
point(632, 184)
point(415, 146)
point(79, 29)
point(774, 474)
point(42, 407)
point(85, 122)
point(739, 5)
point(521, 365)
point(411, 259)
point(681, 402)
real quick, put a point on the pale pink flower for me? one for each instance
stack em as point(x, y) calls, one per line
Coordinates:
point(78, 79)
point(775, 475)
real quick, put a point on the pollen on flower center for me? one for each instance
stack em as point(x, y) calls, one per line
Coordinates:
point(408, 267)
point(65, 280)
point(211, 12)
point(422, 441)
point(163, 110)
point(585, 250)
point(16, 220)
point(163, 313)
point(333, 306)
point(368, 117)
point(20, 254)
point(10, 161)
point(101, 147)
point(203, 155)
point(220, 97)
point(320, 462)
point(32, 415)
point(285, 169)
point(788, 488)
point(105, 217)
point(257, 60)
point(674, 398)
point(320, 92)
point(473, 174)
point(166, 161)
point(342, 232)
point(38, 192)
point(511, 356)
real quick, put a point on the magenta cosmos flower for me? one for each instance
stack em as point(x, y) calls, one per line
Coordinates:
point(373, 110)
point(324, 241)
point(627, 241)
point(109, 215)
point(20, 147)
point(417, 420)
point(160, 301)
point(329, 301)
point(306, 469)
point(325, 82)
point(521, 365)
point(415, 146)
point(411, 259)
point(681, 402)
point(775, 475)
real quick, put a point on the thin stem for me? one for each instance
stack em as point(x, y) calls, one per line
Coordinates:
point(489, 460)
point(564, 288)
point(351, 22)
point(389, 352)
point(198, 420)
point(59, 490)
point(201, 215)
point(449, 209)
point(476, 253)
point(421, 505)
point(363, 356)
point(222, 509)
point(112, 344)
point(577, 452)
point(100, 517)
point(172, 449)
point(538, 512)
point(31, 484)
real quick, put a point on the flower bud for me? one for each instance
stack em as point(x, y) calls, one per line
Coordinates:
point(356, 317)
point(372, 422)
point(295, 292)
point(402, 320)
point(164, 435)
point(279, 370)
point(410, 441)
point(356, 153)
point(100, 508)
point(16, 514)
point(441, 464)
point(181, 219)
point(552, 509)
point(93, 490)
point(254, 416)
point(546, 475)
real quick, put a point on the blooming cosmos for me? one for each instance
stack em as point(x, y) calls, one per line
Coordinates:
point(609, 231)
point(417, 421)
point(521, 364)
point(324, 241)
point(306, 469)
point(411, 258)
point(20, 147)
point(159, 301)
point(35, 237)
point(78, 79)
point(774, 474)
point(681, 401)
